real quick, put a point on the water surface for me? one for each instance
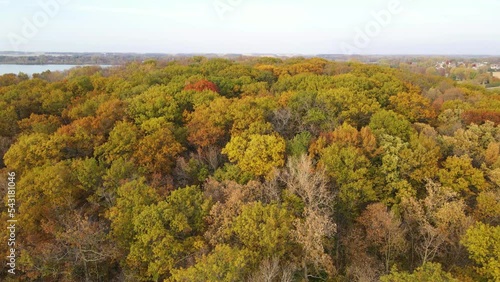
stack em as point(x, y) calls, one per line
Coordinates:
point(31, 69)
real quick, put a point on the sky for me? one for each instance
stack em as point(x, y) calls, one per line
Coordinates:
point(442, 27)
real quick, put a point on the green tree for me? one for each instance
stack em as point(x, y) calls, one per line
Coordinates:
point(224, 264)
point(483, 243)
point(429, 272)
point(264, 229)
point(153, 103)
point(121, 143)
point(8, 120)
point(168, 233)
point(391, 123)
point(132, 197)
point(350, 171)
point(459, 174)
point(354, 107)
point(56, 100)
point(299, 145)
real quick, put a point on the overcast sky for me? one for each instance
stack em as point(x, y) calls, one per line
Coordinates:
point(447, 27)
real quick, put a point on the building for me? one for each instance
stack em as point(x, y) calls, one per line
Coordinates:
point(495, 67)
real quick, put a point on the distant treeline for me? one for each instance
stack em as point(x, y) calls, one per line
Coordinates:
point(80, 59)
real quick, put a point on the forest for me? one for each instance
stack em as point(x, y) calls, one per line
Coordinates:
point(262, 169)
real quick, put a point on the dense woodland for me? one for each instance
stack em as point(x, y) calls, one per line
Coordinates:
point(257, 170)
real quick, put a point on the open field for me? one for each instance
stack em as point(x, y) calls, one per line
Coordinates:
point(496, 74)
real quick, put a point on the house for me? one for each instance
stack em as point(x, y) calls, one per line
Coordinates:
point(495, 67)
point(439, 65)
point(478, 65)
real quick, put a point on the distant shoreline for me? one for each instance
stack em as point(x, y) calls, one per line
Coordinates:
point(90, 58)
point(83, 65)
point(36, 69)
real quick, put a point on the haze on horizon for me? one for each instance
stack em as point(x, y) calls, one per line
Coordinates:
point(442, 27)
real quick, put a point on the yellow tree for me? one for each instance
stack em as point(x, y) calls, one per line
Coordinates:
point(258, 154)
point(413, 106)
point(483, 243)
point(459, 174)
point(157, 151)
point(209, 124)
point(168, 233)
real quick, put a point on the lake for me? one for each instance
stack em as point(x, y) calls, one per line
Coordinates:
point(31, 69)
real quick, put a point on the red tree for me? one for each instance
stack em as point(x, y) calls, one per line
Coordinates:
point(481, 116)
point(202, 85)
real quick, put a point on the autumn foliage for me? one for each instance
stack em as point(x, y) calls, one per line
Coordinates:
point(258, 169)
point(481, 116)
point(202, 85)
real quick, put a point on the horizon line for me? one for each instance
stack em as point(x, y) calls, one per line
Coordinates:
point(243, 54)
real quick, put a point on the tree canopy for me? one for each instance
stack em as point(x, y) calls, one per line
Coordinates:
point(252, 169)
